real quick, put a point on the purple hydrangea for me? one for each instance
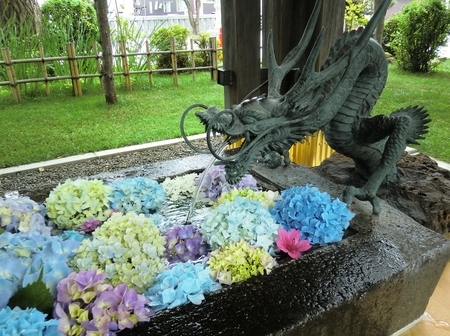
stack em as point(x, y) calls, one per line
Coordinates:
point(109, 309)
point(213, 182)
point(184, 243)
point(90, 225)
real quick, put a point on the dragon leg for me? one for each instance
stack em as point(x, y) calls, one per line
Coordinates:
point(401, 128)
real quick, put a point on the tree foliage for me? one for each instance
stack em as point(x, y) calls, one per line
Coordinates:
point(355, 13)
point(74, 19)
point(416, 33)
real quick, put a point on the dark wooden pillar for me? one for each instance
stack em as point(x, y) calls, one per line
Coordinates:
point(241, 24)
point(288, 18)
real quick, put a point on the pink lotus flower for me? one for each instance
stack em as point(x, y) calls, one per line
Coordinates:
point(289, 242)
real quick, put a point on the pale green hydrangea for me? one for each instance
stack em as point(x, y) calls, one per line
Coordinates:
point(239, 261)
point(127, 247)
point(70, 204)
point(267, 198)
point(181, 187)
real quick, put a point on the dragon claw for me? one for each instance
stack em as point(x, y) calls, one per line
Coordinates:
point(362, 194)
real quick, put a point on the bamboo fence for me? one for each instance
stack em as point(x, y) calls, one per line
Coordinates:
point(311, 152)
point(72, 59)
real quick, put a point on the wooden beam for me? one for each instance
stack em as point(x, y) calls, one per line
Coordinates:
point(241, 47)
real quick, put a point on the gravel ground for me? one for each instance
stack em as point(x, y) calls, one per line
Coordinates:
point(26, 183)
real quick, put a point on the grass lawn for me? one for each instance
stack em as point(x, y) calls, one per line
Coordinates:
point(429, 90)
point(43, 128)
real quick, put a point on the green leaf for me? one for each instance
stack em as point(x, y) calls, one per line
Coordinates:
point(35, 295)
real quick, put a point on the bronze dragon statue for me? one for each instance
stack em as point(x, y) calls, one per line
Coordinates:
point(337, 100)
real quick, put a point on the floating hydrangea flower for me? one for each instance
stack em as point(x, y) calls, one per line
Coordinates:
point(137, 194)
point(241, 219)
point(239, 261)
point(90, 225)
point(26, 257)
point(183, 283)
point(86, 303)
point(213, 182)
point(181, 187)
point(26, 322)
point(129, 248)
point(184, 243)
point(320, 218)
point(290, 242)
point(70, 204)
point(22, 214)
point(267, 198)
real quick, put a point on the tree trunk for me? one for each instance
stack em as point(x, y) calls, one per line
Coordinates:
point(23, 12)
point(194, 21)
point(380, 27)
point(101, 7)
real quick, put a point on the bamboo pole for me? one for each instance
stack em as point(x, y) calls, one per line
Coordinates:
point(173, 55)
point(126, 68)
point(97, 62)
point(213, 57)
point(44, 70)
point(149, 63)
point(11, 74)
point(192, 59)
point(74, 73)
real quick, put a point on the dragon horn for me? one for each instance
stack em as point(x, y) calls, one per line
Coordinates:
point(276, 72)
point(332, 71)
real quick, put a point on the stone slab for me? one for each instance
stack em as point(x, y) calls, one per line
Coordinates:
point(374, 282)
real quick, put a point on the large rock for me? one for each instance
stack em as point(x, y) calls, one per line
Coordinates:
point(422, 190)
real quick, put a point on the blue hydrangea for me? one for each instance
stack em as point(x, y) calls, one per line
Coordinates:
point(185, 282)
point(320, 218)
point(138, 194)
point(240, 219)
point(24, 256)
point(15, 322)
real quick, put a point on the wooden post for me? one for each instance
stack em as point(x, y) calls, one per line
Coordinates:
point(288, 19)
point(126, 68)
point(192, 59)
point(97, 62)
point(241, 47)
point(173, 55)
point(11, 74)
point(44, 70)
point(73, 65)
point(213, 57)
point(149, 63)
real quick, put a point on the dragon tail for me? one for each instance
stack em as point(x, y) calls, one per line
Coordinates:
point(419, 118)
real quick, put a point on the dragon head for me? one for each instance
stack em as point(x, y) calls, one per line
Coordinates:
point(270, 124)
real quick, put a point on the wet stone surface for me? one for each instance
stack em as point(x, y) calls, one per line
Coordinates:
point(374, 282)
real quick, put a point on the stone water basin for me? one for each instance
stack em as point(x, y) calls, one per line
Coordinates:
point(374, 282)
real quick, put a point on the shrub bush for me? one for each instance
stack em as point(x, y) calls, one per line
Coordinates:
point(417, 32)
point(161, 42)
point(390, 33)
point(202, 58)
point(355, 11)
